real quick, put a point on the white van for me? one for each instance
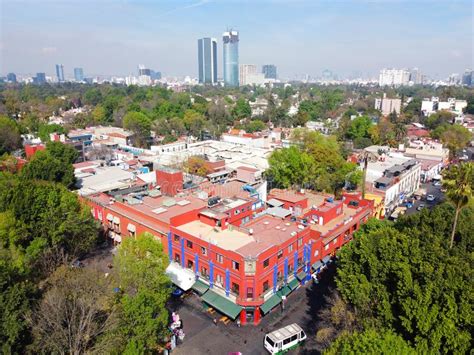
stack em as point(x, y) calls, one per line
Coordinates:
point(283, 339)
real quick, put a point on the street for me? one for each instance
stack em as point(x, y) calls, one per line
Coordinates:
point(204, 337)
point(430, 190)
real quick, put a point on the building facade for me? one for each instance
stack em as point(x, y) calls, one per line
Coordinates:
point(60, 72)
point(78, 74)
point(269, 71)
point(11, 77)
point(394, 77)
point(207, 60)
point(231, 58)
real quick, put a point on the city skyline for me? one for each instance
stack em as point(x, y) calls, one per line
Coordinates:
point(299, 38)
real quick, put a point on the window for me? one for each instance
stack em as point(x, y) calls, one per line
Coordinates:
point(219, 279)
point(236, 212)
point(279, 276)
point(132, 234)
point(203, 271)
point(235, 288)
point(334, 241)
point(300, 242)
point(177, 258)
point(189, 244)
point(243, 210)
point(299, 261)
point(265, 286)
point(266, 263)
point(219, 258)
point(294, 337)
point(290, 268)
point(290, 248)
point(316, 252)
point(235, 265)
point(176, 238)
point(280, 254)
point(203, 251)
point(190, 264)
point(326, 247)
point(249, 292)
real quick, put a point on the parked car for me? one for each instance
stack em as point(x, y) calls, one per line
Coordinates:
point(420, 207)
point(430, 198)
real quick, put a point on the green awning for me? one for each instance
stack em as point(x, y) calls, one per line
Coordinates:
point(222, 304)
point(293, 284)
point(301, 275)
point(317, 265)
point(271, 303)
point(284, 291)
point(200, 287)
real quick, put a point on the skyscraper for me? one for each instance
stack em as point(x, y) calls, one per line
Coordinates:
point(78, 74)
point(207, 60)
point(40, 78)
point(60, 72)
point(11, 77)
point(270, 71)
point(231, 58)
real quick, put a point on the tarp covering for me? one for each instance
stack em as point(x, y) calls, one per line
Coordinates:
point(270, 303)
point(293, 284)
point(183, 278)
point(200, 287)
point(222, 304)
point(317, 265)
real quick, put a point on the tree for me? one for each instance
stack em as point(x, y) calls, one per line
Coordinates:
point(10, 138)
point(402, 277)
point(43, 166)
point(242, 109)
point(76, 313)
point(45, 130)
point(371, 341)
point(438, 118)
point(194, 122)
point(359, 128)
point(140, 125)
point(255, 126)
point(63, 152)
point(455, 137)
point(196, 165)
point(400, 131)
point(140, 265)
point(459, 182)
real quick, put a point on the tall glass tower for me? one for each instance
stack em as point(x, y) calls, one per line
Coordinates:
point(231, 58)
point(78, 74)
point(60, 72)
point(207, 60)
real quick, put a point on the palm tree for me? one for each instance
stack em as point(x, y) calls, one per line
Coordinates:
point(459, 183)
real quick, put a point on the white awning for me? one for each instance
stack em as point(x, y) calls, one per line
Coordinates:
point(183, 278)
point(131, 228)
point(110, 217)
point(118, 238)
point(116, 220)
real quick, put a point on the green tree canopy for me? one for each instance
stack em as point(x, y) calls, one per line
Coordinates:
point(359, 128)
point(242, 109)
point(43, 166)
point(140, 125)
point(10, 138)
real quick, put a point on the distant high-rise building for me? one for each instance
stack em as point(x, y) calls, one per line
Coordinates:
point(269, 71)
point(394, 77)
point(248, 75)
point(60, 72)
point(40, 78)
point(231, 58)
point(207, 60)
point(155, 75)
point(142, 70)
point(78, 74)
point(11, 77)
point(416, 77)
point(467, 77)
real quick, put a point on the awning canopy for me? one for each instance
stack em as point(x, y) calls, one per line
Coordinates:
point(326, 259)
point(293, 284)
point(301, 275)
point(271, 303)
point(183, 278)
point(222, 304)
point(317, 265)
point(284, 291)
point(200, 287)
point(110, 217)
point(116, 220)
point(131, 227)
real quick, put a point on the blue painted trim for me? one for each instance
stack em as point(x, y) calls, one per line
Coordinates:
point(211, 274)
point(170, 246)
point(275, 277)
point(182, 252)
point(196, 263)
point(227, 282)
point(285, 270)
point(295, 263)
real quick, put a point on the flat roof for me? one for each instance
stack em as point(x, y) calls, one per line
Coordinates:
point(287, 195)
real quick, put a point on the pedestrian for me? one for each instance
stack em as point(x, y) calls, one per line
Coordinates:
point(238, 323)
point(215, 321)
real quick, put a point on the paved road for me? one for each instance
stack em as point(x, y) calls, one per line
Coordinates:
point(430, 190)
point(203, 337)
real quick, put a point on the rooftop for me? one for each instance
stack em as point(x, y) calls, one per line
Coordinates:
point(287, 195)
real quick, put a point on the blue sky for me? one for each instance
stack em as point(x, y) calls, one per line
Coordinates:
point(347, 37)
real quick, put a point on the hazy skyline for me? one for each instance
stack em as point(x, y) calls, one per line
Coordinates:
point(347, 37)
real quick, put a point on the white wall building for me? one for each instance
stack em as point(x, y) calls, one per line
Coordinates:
point(394, 77)
point(430, 106)
point(249, 75)
point(387, 106)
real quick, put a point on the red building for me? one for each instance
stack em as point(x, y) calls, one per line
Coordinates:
point(243, 260)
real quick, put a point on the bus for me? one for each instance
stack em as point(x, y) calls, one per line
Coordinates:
point(281, 340)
